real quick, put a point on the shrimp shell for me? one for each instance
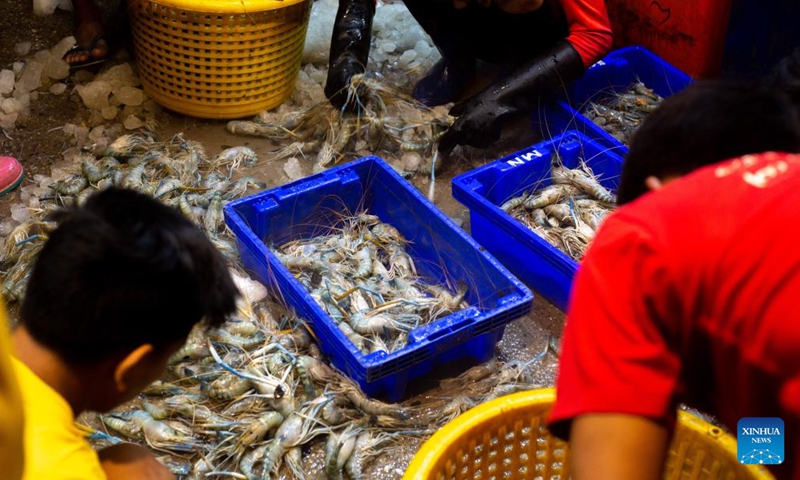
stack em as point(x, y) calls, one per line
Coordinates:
point(583, 181)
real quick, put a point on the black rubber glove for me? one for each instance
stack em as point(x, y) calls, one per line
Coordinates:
point(350, 42)
point(479, 117)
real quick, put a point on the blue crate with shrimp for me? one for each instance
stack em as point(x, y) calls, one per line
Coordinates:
point(544, 268)
point(443, 254)
point(612, 75)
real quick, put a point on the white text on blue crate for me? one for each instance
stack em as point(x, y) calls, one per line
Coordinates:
point(525, 157)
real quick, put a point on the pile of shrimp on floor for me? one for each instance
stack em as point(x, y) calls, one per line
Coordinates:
point(567, 213)
point(254, 398)
point(383, 121)
point(362, 276)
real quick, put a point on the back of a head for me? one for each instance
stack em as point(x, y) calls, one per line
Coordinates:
point(709, 122)
point(122, 271)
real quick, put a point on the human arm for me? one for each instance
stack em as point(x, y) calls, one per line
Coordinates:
point(11, 416)
point(617, 447)
point(479, 117)
point(619, 357)
point(127, 461)
point(350, 42)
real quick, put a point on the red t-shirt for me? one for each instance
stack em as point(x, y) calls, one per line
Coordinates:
point(589, 28)
point(692, 294)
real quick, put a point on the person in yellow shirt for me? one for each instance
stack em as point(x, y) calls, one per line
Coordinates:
point(11, 419)
point(114, 292)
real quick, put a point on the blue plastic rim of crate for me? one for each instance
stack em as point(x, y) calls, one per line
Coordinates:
point(441, 251)
point(613, 74)
point(534, 261)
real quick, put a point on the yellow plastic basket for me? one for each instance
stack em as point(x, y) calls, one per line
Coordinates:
point(219, 59)
point(506, 439)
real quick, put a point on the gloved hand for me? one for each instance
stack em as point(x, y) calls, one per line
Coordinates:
point(480, 117)
point(350, 42)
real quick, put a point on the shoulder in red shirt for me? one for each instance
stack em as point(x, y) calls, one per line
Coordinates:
point(691, 295)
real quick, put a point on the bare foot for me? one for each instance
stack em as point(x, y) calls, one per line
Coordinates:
point(90, 44)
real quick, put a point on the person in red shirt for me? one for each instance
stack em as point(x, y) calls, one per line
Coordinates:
point(688, 293)
point(545, 44)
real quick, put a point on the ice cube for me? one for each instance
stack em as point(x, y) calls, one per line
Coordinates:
point(109, 113)
point(82, 76)
point(17, 67)
point(97, 133)
point(6, 227)
point(44, 7)
point(11, 105)
point(95, 94)
point(407, 57)
point(120, 76)
point(22, 48)
point(56, 68)
point(58, 88)
point(411, 161)
point(6, 82)
point(293, 169)
point(7, 120)
point(129, 96)
point(132, 122)
point(62, 47)
point(20, 213)
point(30, 77)
point(388, 46)
point(78, 133)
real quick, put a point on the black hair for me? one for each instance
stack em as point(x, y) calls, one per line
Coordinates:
point(786, 77)
point(708, 122)
point(122, 271)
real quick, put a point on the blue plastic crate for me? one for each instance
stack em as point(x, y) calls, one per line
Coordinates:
point(438, 247)
point(613, 74)
point(540, 265)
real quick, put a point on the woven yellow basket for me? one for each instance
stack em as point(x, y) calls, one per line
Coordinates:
point(219, 59)
point(506, 439)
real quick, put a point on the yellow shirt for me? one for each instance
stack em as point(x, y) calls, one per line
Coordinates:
point(54, 447)
point(10, 409)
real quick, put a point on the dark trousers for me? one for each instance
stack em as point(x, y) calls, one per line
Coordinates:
point(488, 33)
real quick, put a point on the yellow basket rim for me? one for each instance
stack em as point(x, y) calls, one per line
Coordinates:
point(433, 448)
point(235, 7)
point(428, 454)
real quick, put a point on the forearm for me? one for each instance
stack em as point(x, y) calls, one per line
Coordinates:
point(617, 447)
point(350, 42)
point(132, 462)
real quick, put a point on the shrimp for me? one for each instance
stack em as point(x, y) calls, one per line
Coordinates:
point(163, 388)
point(296, 430)
point(158, 434)
point(135, 178)
point(244, 405)
point(214, 219)
point(236, 157)
point(70, 186)
point(261, 426)
point(186, 406)
point(513, 203)
point(249, 459)
point(338, 450)
point(364, 324)
point(550, 195)
point(369, 406)
point(580, 179)
point(227, 387)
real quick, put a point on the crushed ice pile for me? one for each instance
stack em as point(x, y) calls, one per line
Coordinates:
point(113, 96)
point(401, 51)
point(40, 73)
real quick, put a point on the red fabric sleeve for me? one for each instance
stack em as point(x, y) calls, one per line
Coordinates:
point(615, 357)
point(589, 29)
